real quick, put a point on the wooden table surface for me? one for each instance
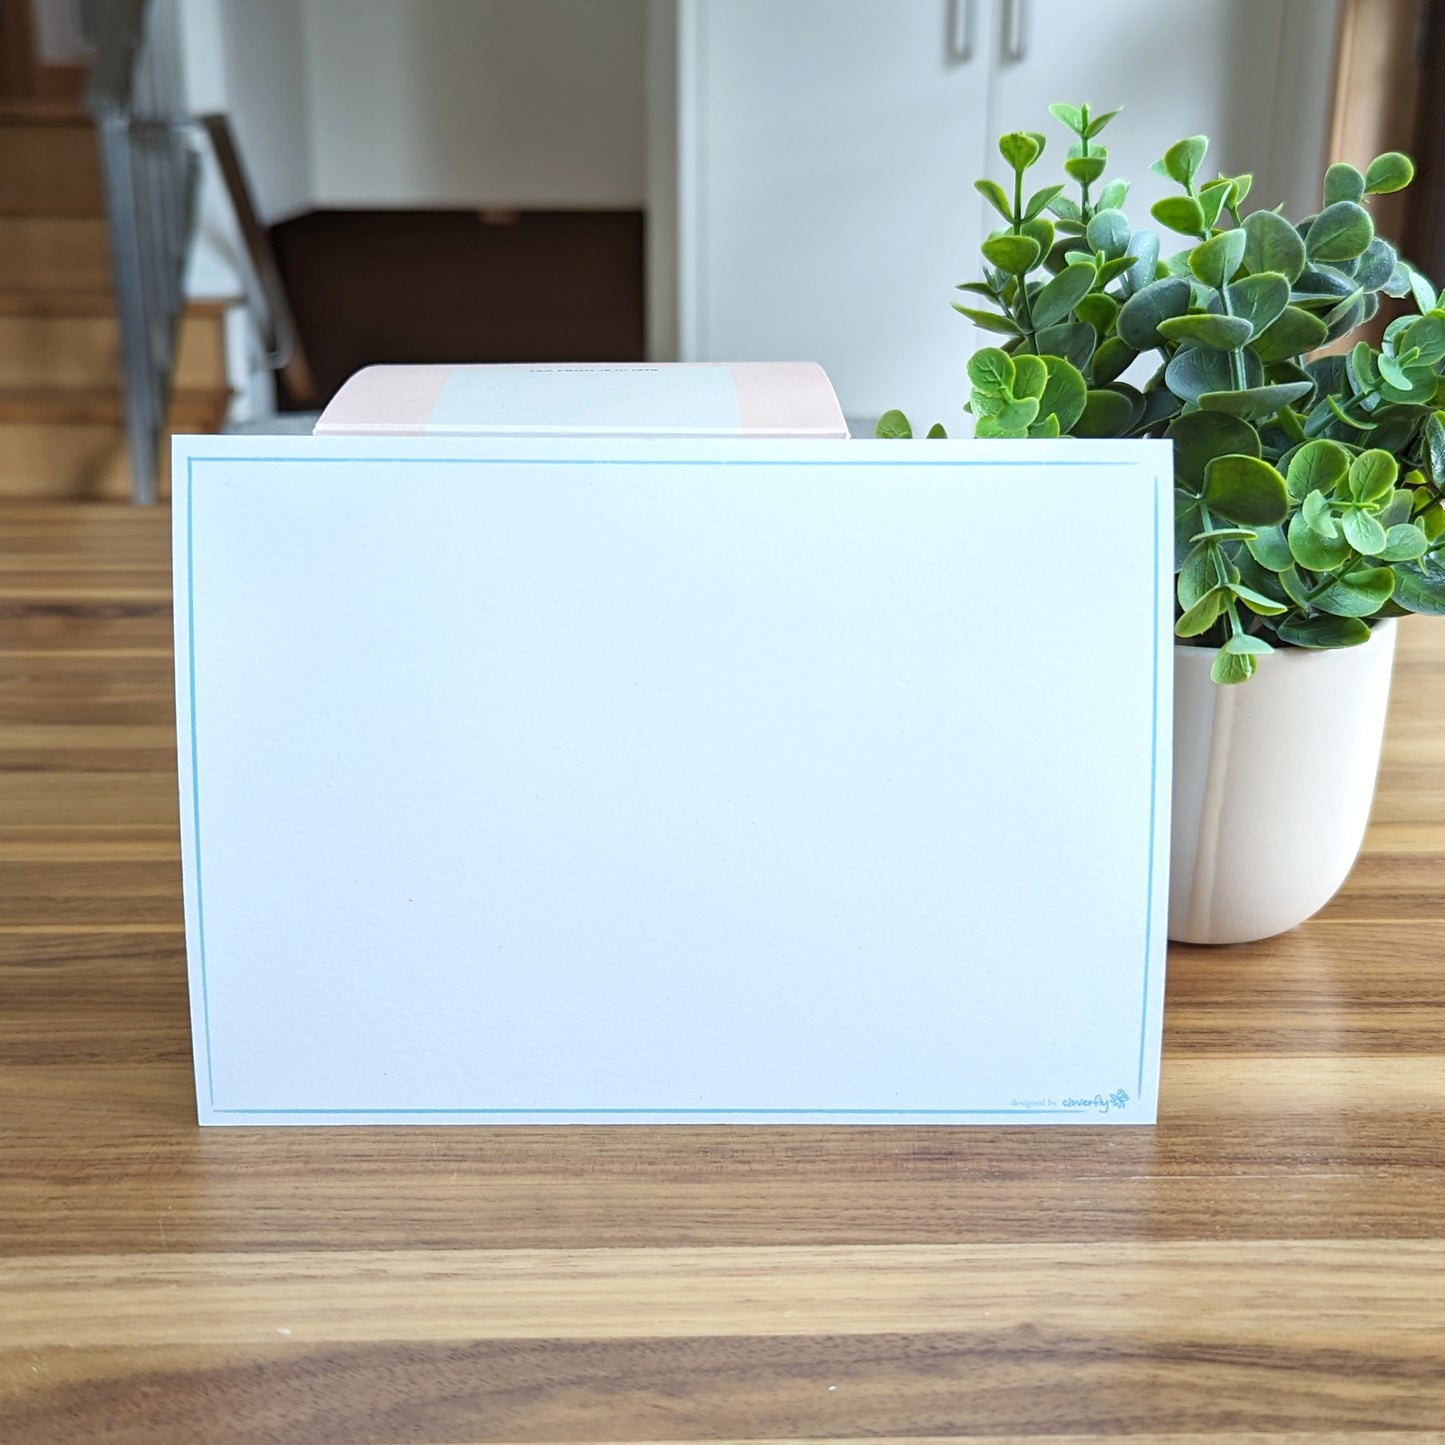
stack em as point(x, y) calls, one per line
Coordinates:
point(1270, 1259)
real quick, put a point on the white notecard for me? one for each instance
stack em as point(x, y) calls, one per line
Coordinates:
point(674, 781)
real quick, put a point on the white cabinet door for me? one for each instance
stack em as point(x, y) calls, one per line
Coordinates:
point(827, 151)
point(827, 155)
point(1221, 68)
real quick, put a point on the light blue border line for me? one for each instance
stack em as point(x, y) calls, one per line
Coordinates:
point(628, 462)
point(623, 462)
point(195, 768)
point(1153, 797)
point(802, 1113)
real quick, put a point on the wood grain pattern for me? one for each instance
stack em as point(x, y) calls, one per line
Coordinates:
point(1266, 1265)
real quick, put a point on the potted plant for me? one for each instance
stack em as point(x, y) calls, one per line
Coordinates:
point(1309, 477)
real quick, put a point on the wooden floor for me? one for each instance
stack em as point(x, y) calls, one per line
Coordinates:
point(1270, 1259)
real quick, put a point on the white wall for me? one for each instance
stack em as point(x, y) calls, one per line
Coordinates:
point(263, 47)
point(508, 103)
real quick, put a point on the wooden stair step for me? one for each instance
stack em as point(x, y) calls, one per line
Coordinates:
point(49, 165)
point(72, 445)
point(72, 340)
point(56, 407)
point(40, 253)
point(44, 112)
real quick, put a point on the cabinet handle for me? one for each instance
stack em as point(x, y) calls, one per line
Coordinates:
point(1016, 30)
point(958, 44)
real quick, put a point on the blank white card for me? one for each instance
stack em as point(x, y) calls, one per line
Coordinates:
point(579, 781)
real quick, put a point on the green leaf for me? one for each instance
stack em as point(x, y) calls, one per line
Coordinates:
point(1020, 149)
point(1085, 169)
point(1212, 198)
point(1361, 594)
point(1399, 508)
point(1221, 333)
point(1420, 590)
point(1040, 229)
point(1318, 466)
point(1144, 247)
point(937, 433)
point(1180, 213)
point(1017, 416)
point(1243, 644)
point(1065, 393)
point(1404, 542)
point(1197, 370)
point(893, 425)
point(1046, 427)
point(1372, 476)
point(1258, 403)
point(1293, 334)
point(1270, 549)
point(1310, 550)
point(992, 370)
point(1183, 159)
point(1113, 196)
point(1392, 171)
point(1203, 615)
point(1427, 336)
point(1017, 255)
point(1360, 365)
point(1070, 339)
point(1066, 210)
point(1435, 446)
point(1376, 268)
point(1140, 315)
point(1272, 244)
point(1323, 632)
point(1245, 489)
point(1340, 232)
point(1257, 602)
point(1422, 291)
point(1363, 532)
point(1231, 668)
point(1112, 359)
point(1108, 232)
point(987, 321)
point(1059, 297)
point(1200, 436)
point(1216, 260)
point(1294, 584)
point(1419, 388)
point(1030, 376)
point(1099, 121)
point(1393, 372)
point(995, 195)
point(1068, 115)
point(1260, 300)
point(1106, 414)
point(1319, 516)
point(1197, 576)
point(1040, 199)
point(1114, 267)
point(990, 429)
point(1100, 311)
point(1343, 183)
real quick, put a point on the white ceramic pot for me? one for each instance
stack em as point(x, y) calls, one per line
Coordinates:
point(1273, 780)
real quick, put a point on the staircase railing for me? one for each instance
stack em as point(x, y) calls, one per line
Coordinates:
point(150, 162)
point(150, 171)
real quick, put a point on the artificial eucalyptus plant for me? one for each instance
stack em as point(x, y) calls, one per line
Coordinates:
point(1308, 485)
